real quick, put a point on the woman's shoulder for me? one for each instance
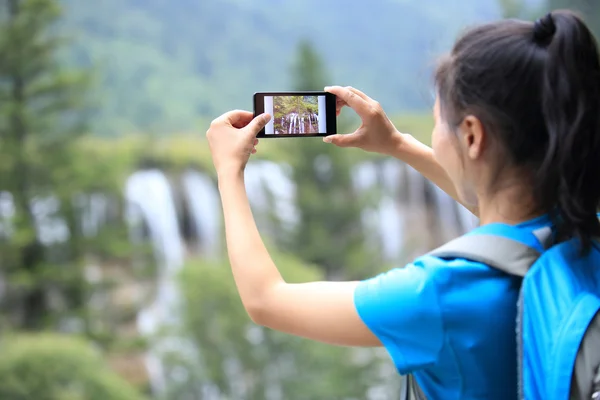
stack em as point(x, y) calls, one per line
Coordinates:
point(429, 270)
point(442, 269)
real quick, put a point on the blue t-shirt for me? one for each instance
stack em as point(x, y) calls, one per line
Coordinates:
point(451, 323)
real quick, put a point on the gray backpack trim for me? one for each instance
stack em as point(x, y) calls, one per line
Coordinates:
point(411, 389)
point(497, 252)
point(587, 364)
point(516, 258)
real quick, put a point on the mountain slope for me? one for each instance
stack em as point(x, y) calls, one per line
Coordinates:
point(163, 65)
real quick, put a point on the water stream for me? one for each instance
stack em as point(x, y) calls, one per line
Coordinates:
point(300, 123)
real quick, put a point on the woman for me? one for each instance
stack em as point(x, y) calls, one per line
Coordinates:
point(516, 140)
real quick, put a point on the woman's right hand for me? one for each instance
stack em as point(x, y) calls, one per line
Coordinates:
point(376, 133)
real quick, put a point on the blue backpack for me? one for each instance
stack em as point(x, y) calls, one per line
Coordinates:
point(558, 318)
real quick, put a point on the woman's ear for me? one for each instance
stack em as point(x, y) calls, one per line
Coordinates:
point(472, 137)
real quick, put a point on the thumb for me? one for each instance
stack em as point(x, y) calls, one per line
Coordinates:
point(347, 140)
point(257, 124)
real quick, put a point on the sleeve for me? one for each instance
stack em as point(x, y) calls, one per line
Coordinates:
point(401, 307)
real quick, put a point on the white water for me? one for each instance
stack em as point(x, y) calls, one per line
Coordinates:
point(94, 209)
point(297, 123)
point(205, 209)
point(402, 208)
point(150, 201)
point(270, 190)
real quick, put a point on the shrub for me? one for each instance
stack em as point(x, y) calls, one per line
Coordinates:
point(57, 367)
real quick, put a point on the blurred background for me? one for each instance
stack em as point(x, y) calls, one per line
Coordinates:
point(114, 282)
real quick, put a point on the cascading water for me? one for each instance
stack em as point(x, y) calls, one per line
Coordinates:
point(386, 219)
point(270, 189)
point(300, 123)
point(204, 203)
point(50, 228)
point(7, 212)
point(94, 210)
point(150, 202)
point(402, 207)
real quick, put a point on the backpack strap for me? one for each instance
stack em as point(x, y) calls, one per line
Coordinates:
point(596, 385)
point(411, 389)
point(503, 247)
point(585, 382)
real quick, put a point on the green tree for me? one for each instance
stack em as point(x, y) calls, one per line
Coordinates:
point(38, 126)
point(239, 360)
point(330, 232)
point(50, 177)
point(55, 367)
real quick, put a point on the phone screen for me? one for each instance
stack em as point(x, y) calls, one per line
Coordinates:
point(297, 114)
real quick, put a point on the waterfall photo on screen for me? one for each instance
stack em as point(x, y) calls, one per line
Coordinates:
point(296, 115)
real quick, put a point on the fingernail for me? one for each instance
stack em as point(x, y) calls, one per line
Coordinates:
point(266, 118)
point(327, 139)
point(327, 88)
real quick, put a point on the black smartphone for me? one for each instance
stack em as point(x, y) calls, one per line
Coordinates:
point(297, 114)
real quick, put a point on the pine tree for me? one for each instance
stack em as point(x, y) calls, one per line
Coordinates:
point(330, 232)
point(40, 116)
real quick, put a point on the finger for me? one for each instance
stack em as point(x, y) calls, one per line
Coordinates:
point(352, 99)
point(255, 142)
point(339, 104)
point(243, 122)
point(359, 94)
point(253, 151)
point(257, 124)
point(348, 140)
point(234, 117)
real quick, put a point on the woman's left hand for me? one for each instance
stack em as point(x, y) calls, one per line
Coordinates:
point(232, 138)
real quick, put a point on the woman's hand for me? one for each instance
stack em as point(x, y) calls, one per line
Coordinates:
point(232, 138)
point(376, 134)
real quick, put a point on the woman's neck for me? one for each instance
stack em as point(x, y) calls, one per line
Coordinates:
point(511, 204)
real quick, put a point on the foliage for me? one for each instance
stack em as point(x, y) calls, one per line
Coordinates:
point(50, 179)
point(328, 203)
point(167, 67)
point(238, 360)
point(55, 367)
point(39, 119)
point(419, 125)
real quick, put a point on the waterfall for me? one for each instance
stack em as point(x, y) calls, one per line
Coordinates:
point(271, 190)
point(150, 201)
point(7, 211)
point(50, 228)
point(298, 123)
point(205, 209)
point(94, 209)
point(400, 216)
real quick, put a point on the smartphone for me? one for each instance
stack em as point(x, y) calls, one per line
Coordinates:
point(297, 114)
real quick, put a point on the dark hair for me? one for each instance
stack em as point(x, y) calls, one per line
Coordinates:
point(536, 89)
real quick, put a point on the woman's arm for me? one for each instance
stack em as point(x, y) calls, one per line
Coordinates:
point(322, 311)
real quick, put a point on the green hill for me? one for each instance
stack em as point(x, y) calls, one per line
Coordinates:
point(164, 65)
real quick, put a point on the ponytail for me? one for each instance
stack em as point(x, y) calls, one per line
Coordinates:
point(536, 90)
point(568, 179)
